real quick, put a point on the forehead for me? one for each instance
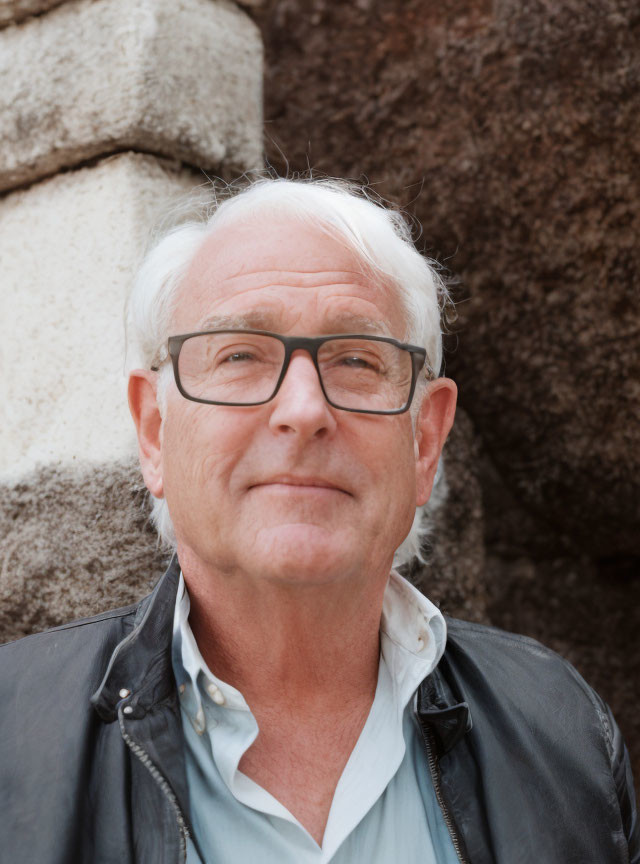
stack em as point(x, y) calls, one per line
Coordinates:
point(284, 275)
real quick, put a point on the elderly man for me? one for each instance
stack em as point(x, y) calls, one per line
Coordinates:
point(284, 695)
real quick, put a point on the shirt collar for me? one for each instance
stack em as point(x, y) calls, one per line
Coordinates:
point(413, 635)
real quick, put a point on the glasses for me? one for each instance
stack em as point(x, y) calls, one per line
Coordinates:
point(366, 374)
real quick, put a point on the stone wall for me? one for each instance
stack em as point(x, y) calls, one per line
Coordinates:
point(511, 131)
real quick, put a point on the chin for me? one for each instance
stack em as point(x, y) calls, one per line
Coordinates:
point(308, 554)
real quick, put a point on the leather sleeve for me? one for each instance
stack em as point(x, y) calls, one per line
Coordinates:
point(621, 769)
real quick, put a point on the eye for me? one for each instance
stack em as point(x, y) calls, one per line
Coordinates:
point(363, 359)
point(360, 356)
point(236, 356)
point(356, 362)
point(229, 355)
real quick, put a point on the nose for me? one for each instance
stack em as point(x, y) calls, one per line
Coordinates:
point(300, 406)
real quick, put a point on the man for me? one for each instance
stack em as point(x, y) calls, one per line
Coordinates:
point(283, 696)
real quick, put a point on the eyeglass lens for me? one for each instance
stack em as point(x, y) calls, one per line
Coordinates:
point(244, 368)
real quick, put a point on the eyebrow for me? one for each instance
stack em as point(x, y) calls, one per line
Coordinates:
point(256, 319)
point(253, 319)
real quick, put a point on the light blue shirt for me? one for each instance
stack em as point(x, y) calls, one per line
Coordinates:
point(384, 807)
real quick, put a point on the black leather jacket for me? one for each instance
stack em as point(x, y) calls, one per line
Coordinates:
point(527, 761)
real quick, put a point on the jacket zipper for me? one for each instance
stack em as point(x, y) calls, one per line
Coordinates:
point(434, 768)
point(146, 760)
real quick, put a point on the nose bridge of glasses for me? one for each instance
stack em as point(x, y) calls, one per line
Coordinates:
point(301, 346)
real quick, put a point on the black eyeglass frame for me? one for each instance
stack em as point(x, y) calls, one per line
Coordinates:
point(295, 343)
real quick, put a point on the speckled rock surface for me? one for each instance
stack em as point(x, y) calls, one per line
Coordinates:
point(453, 576)
point(179, 79)
point(74, 541)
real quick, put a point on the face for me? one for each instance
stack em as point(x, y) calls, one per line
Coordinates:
point(294, 489)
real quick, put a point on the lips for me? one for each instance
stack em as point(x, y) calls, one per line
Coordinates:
point(300, 482)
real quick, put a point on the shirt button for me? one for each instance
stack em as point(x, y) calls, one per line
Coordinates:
point(215, 694)
point(199, 722)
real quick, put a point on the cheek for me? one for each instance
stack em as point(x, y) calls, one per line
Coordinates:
point(391, 456)
point(402, 472)
point(201, 447)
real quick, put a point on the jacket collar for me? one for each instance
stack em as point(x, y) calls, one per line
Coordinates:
point(141, 662)
point(443, 710)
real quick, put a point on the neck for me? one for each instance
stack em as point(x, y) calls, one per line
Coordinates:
point(295, 646)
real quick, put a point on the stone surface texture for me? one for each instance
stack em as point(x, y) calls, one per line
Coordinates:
point(453, 575)
point(74, 541)
point(12, 11)
point(68, 248)
point(511, 132)
point(178, 78)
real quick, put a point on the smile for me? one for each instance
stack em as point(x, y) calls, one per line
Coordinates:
point(287, 483)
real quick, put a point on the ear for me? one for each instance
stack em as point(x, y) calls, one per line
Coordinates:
point(145, 411)
point(432, 427)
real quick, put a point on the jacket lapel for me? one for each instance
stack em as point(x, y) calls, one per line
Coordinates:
point(138, 691)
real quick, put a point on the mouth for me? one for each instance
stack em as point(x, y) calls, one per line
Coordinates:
point(292, 483)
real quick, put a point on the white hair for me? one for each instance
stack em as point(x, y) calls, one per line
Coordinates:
point(380, 237)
